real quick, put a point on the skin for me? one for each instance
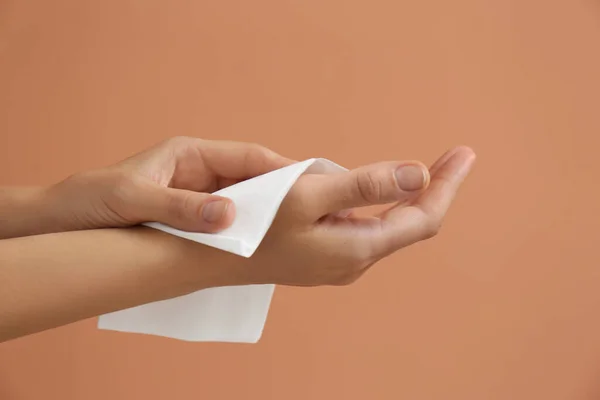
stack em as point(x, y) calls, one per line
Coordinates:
point(170, 183)
point(88, 257)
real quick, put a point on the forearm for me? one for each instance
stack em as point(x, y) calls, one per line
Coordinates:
point(26, 211)
point(55, 279)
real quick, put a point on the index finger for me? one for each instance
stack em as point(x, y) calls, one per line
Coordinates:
point(240, 160)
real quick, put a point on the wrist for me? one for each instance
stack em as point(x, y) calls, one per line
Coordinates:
point(70, 205)
point(23, 211)
point(51, 207)
point(209, 267)
point(189, 266)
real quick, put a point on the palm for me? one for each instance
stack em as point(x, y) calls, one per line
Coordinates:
point(418, 219)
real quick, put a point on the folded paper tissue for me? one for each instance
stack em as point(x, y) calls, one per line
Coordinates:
point(232, 313)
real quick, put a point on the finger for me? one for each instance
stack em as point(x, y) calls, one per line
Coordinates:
point(379, 183)
point(439, 162)
point(239, 160)
point(402, 226)
point(202, 165)
point(436, 201)
point(442, 160)
point(186, 210)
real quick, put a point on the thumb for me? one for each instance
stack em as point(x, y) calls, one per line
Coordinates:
point(381, 183)
point(187, 210)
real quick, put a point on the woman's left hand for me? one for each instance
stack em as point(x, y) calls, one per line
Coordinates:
point(168, 183)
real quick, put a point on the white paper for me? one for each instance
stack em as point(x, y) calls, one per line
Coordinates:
point(223, 314)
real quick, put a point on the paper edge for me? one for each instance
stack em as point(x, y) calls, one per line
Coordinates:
point(245, 250)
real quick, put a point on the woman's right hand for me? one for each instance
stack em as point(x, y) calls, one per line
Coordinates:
point(316, 239)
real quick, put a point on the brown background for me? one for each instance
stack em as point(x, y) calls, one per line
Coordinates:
point(504, 304)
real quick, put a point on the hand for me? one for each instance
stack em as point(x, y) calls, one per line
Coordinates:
point(169, 183)
point(312, 243)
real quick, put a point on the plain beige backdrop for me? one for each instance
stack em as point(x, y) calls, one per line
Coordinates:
point(503, 304)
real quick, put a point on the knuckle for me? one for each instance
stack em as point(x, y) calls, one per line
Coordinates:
point(362, 256)
point(347, 268)
point(180, 207)
point(174, 207)
point(347, 280)
point(257, 148)
point(255, 154)
point(182, 141)
point(368, 187)
point(261, 153)
point(349, 276)
point(431, 228)
point(176, 140)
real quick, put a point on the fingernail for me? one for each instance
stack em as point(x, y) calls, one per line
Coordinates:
point(214, 211)
point(411, 177)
